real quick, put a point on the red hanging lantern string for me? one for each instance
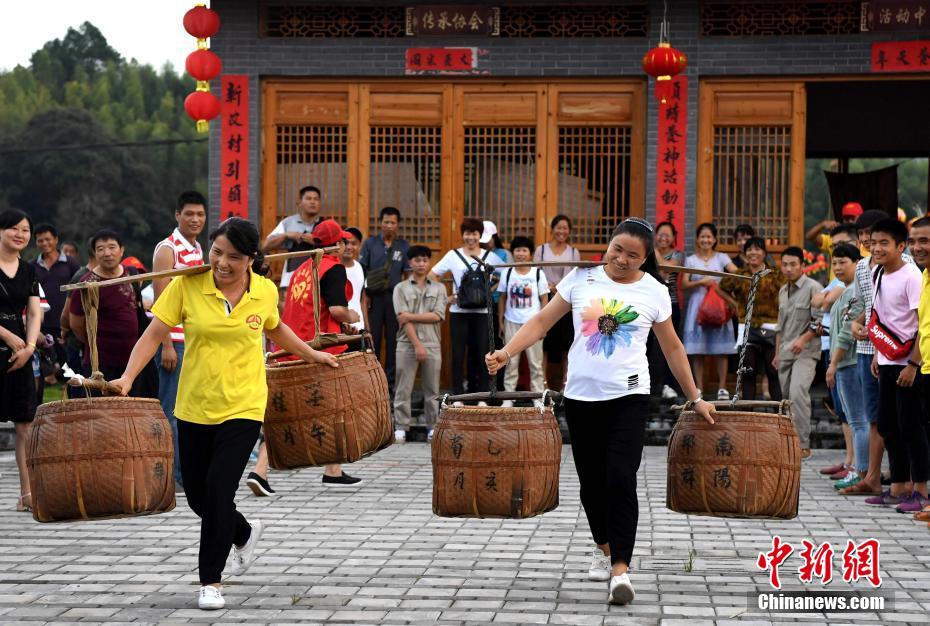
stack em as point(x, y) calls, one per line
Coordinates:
point(202, 65)
point(663, 62)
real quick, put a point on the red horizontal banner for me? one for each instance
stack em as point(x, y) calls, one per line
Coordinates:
point(440, 60)
point(901, 56)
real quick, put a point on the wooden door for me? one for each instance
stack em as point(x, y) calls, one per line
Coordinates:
point(751, 159)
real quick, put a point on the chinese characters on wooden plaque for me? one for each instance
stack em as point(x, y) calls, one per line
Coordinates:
point(446, 20)
point(896, 15)
point(234, 154)
point(671, 159)
point(901, 56)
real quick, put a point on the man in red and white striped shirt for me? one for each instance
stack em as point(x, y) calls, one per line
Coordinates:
point(180, 249)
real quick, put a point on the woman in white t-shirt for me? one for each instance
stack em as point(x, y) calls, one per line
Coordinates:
point(614, 307)
point(468, 324)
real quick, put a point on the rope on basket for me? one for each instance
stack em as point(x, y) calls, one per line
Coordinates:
point(750, 303)
point(90, 298)
point(315, 273)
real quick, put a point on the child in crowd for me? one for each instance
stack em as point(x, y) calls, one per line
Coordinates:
point(525, 291)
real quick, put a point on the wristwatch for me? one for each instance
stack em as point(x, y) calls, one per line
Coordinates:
point(910, 362)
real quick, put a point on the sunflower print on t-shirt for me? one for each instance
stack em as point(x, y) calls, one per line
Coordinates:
point(606, 323)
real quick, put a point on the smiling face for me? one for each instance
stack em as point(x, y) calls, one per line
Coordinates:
point(16, 238)
point(191, 220)
point(918, 240)
point(350, 252)
point(884, 248)
point(522, 254)
point(229, 265)
point(706, 240)
point(561, 232)
point(46, 242)
point(665, 237)
point(755, 256)
point(471, 238)
point(624, 256)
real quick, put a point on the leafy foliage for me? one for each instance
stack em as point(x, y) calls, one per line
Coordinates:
point(79, 91)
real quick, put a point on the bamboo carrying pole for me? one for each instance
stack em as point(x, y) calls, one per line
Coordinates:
point(184, 271)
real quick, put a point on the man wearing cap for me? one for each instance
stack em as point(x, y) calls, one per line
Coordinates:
point(819, 234)
point(384, 259)
point(335, 314)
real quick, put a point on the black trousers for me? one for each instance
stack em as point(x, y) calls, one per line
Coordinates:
point(469, 341)
point(759, 357)
point(383, 322)
point(607, 446)
point(212, 461)
point(902, 423)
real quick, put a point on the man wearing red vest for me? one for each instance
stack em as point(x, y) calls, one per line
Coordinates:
point(335, 314)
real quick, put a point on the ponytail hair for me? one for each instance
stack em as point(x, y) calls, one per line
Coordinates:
point(243, 236)
point(642, 230)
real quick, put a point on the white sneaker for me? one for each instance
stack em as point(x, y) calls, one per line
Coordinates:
point(600, 566)
point(668, 393)
point(211, 598)
point(482, 403)
point(723, 394)
point(429, 435)
point(538, 403)
point(244, 557)
point(400, 436)
point(621, 590)
point(458, 404)
point(507, 404)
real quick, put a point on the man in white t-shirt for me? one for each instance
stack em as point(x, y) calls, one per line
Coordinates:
point(524, 291)
point(354, 273)
point(294, 232)
point(468, 322)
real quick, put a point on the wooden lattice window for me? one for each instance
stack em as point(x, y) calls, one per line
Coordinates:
point(312, 155)
point(405, 173)
point(500, 177)
point(332, 21)
point(752, 172)
point(750, 18)
point(594, 179)
point(575, 20)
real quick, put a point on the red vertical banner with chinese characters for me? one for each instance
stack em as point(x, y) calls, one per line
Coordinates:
point(672, 156)
point(234, 155)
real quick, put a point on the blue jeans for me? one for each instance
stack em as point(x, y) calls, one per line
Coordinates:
point(167, 394)
point(850, 392)
point(869, 387)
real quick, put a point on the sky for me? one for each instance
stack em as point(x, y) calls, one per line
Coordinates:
point(150, 32)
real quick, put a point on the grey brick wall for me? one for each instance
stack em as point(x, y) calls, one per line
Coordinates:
point(244, 52)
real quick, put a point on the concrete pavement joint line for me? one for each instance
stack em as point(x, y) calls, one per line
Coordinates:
point(378, 555)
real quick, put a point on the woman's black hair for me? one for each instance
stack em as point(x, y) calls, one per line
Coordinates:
point(755, 242)
point(12, 217)
point(243, 235)
point(713, 231)
point(670, 225)
point(642, 230)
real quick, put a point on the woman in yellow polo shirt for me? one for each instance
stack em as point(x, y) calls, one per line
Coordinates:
point(222, 390)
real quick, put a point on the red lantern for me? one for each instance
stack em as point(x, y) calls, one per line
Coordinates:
point(663, 62)
point(203, 65)
point(201, 22)
point(202, 106)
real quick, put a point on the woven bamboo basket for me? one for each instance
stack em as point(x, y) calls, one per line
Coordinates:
point(495, 462)
point(747, 464)
point(98, 458)
point(317, 414)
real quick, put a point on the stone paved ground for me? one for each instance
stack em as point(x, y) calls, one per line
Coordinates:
point(377, 555)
